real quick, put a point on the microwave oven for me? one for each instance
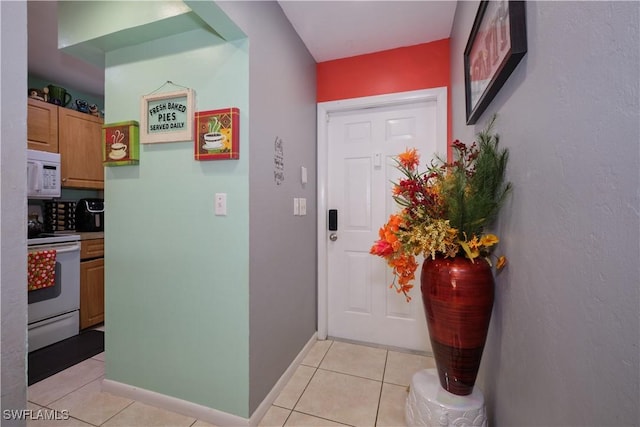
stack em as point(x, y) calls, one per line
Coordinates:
point(43, 175)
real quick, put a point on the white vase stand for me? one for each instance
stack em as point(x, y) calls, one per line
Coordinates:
point(428, 404)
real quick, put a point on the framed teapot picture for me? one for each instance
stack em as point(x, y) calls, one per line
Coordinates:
point(121, 143)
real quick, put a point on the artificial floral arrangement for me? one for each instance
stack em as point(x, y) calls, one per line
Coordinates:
point(446, 208)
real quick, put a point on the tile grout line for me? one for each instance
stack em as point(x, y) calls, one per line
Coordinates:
point(342, 423)
point(384, 370)
point(79, 419)
point(70, 416)
point(350, 375)
point(120, 411)
point(308, 382)
point(380, 381)
point(63, 396)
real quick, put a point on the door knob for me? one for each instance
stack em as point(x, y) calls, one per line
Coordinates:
point(333, 237)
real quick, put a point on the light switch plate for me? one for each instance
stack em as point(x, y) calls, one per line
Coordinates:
point(296, 206)
point(303, 206)
point(221, 204)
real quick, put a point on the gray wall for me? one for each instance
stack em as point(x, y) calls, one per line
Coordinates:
point(282, 100)
point(563, 344)
point(13, 206)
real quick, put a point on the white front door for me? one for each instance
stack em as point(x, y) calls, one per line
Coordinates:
point(360, 146)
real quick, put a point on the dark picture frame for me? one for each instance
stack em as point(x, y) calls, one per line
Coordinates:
point(497, 43)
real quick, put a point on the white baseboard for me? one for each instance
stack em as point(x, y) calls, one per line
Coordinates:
point(262, 409)
point(205, 413)
point(173, 404)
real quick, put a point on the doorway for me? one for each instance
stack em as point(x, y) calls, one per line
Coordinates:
point(357, 142)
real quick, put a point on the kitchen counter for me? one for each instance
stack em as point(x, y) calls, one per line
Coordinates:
point(84, 235)
point(91, 235)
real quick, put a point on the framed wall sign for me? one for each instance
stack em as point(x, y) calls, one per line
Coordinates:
point(120, 143)
point(217, 134)
point(166, 117)
point(497, 43)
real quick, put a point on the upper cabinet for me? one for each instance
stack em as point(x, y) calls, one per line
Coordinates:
point(76, 136)
point(80, 147)
point(42, 126)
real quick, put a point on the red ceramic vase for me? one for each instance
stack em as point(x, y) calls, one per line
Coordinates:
point(458, 298)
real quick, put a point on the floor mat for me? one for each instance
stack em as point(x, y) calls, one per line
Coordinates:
point(57, 357)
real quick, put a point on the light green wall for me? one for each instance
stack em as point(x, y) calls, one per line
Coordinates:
point(177, 277)
point(116, 16)
point(180, 310)
point(121, 23)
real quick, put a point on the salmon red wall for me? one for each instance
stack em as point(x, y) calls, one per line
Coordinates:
point(421, 66)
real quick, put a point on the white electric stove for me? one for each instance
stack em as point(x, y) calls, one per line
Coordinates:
point(53, 312)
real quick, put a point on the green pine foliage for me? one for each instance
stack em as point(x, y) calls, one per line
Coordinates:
point(474, 188)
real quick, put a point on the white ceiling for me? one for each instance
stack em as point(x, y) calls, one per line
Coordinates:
point(339, 29)
point(329, 30)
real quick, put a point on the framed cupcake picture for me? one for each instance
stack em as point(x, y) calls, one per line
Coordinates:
point(217, 134)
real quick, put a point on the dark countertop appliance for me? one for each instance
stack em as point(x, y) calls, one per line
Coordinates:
point(90, 215)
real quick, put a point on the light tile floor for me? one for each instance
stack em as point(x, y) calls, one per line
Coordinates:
point(337, 384)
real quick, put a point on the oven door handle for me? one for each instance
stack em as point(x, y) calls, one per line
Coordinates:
point(60, 250)
point(68, 249)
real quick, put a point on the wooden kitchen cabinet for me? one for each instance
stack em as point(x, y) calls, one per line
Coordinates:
point(91, 282)
point(93, 248)
point(80, 148)
point(76, 136)
point(42, 126)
